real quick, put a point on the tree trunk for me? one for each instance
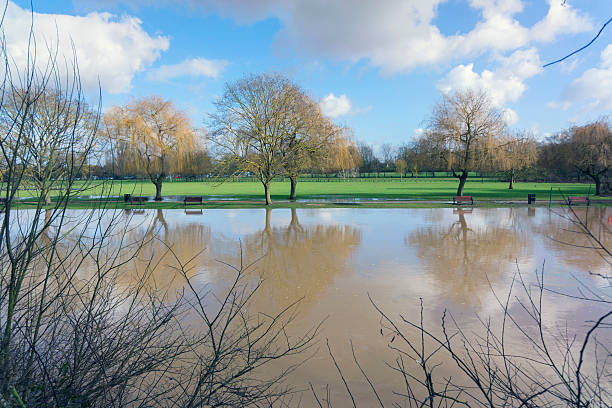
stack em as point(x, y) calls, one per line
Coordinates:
point(47, 194)
point(462, 179)
point(158, 189)
point(267, 192)
point(511, 186)
point(293, 186)
point(597, 180)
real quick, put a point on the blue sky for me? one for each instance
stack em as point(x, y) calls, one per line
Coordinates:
point(377, 66)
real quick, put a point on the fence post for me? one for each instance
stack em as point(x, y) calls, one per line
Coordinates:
point(550, 197)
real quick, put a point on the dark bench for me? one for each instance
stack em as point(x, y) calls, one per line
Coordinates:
point(138, 200)
point(576, 200)
point(463, 199)
point(193, 200)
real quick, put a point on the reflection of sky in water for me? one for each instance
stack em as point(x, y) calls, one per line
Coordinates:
point(392, 244)
point(334, 258)
point(429, 252)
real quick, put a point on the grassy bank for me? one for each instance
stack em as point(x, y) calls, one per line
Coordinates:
point(426, 193)
point(414, 189)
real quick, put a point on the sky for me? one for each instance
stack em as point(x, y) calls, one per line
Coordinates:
point(378, 66)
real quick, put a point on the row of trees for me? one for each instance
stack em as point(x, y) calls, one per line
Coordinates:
point(466, 133)
point(264, 125)
point(268, 126)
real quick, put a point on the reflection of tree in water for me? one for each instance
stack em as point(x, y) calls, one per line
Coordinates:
point(163, 248)
point(300, 261)
point(572, 241)
point(462, 256)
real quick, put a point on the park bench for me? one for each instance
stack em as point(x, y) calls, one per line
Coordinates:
point(462, 199)
point(138, 200)
point(576, 200)
point(193, 200)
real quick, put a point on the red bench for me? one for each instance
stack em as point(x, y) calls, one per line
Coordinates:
point(463, 199)
point(575, 200)
point(193, 200)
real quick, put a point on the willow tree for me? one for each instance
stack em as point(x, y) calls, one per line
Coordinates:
point(155, 134)
point(251, 124)
point(465, 131)
point(518, 151)
point(343, 154)
point(591, 151)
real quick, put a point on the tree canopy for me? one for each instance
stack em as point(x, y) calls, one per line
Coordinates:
point(154, 137)
point(465, 132)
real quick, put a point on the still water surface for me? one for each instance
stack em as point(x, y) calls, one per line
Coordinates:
point(333, 259)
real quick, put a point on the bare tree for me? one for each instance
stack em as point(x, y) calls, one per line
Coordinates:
point(54, 135)
point(369, 162)
point(250, 125)
point(465, 131)
point(388, 151)
point(309, 137)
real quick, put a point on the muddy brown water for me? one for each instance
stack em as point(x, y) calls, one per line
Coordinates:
point(335, 260)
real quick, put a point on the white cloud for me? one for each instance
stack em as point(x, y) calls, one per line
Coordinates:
point(510, 116)
point(108, 48)
point(504, 84)
point(335, 106)
point(393, 35)
point(593, 87)
point(560, 19)
point(399, 35)
point(195, 67)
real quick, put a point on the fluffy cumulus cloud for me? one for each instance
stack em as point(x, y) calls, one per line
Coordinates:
point(593, 89)
point(335, 106)
point(560, 19)
point(504, 84)
point(195, 67)
point(110, 50)
point(393, 35)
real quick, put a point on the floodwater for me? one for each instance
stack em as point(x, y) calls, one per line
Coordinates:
point(338, 262)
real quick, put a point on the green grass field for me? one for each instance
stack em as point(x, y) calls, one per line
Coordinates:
point(426, 189)
point(329, 194)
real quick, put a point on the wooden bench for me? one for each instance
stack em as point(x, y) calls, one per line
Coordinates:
point(138, 200)
point(193, 200)
point(576, 200)
point(462, 199)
